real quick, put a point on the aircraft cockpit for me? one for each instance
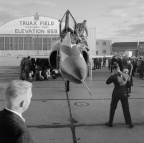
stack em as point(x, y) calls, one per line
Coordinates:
point(67, 24)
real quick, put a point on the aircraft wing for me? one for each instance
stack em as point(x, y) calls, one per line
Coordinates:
point(34, 56)
point(100, 56)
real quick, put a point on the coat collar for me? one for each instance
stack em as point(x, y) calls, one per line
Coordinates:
point(14, 115)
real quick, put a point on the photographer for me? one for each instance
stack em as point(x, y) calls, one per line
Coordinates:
point(119, 79)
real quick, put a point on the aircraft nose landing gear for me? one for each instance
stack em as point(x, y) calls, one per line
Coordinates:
point(67, 87)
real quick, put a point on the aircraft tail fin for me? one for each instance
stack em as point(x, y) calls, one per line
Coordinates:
point(88, 89)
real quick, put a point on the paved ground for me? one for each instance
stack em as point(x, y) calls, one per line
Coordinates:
point(55, 116)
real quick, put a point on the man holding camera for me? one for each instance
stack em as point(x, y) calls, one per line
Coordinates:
point(119, 79)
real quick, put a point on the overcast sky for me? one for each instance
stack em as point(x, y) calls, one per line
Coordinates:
point(117, 20)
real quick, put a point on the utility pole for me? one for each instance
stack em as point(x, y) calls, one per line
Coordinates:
point(138, 40)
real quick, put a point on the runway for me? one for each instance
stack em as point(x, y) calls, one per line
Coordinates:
point(56, 116)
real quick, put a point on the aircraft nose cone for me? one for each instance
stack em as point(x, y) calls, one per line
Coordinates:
point(74, 68)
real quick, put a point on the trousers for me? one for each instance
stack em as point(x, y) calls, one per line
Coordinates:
point(125, 107)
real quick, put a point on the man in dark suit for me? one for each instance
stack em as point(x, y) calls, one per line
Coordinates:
point(12, 125)
point(119, 80)
point(28, 68)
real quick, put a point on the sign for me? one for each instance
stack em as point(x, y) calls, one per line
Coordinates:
point(31, 25)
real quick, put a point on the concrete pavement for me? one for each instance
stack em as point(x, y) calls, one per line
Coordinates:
point(55, 116)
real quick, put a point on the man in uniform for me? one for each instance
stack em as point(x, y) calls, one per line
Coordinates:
point(28, 68)
point(22, 67)
point(119, 80)
point(114, 60)
point(38, 74)
point(95, 63)
point(81, 28)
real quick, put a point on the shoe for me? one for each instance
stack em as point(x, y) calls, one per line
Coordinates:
point(108, 124)
point(131, 126)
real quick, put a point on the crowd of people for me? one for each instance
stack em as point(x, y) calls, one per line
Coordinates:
point(137, 64)
point(38, 69)
point(99, 62)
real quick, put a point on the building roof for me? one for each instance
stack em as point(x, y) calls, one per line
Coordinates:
point(36, 24)
point(97, 40)
point(126, 44)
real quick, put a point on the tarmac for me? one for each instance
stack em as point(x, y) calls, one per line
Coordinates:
point(56, 116)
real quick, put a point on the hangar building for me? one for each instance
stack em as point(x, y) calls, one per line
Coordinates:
point(32, 35)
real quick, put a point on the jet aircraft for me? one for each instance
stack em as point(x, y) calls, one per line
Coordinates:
point(68, 55)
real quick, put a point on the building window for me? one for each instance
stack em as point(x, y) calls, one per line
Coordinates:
point(6, 43)
point(96, 52)
point(11, 47)
point(15, 42)
point(1, 43)
point(27, 43)
point(97, 43)
point(21, 43)
point(39, 43)
point(49, 43)
point(45, 43)
point(104, 51)
point(104, 43)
